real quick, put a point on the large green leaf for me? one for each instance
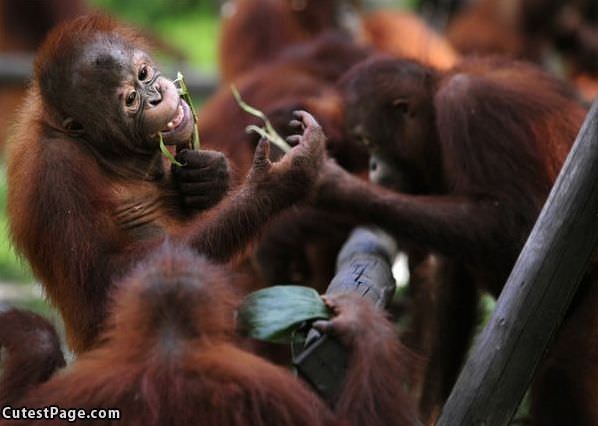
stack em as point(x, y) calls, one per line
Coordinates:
point(273, 314)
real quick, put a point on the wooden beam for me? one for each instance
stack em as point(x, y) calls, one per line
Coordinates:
point(535, 299)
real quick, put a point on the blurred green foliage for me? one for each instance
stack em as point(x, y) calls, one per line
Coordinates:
point(11, 267)
point(149, 11)
point(189, 25)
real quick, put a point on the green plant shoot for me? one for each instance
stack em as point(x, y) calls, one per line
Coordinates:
point(184, 93)
point(268, 132)
point(166, 153)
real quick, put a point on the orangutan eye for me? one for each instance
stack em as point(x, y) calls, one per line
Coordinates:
point(144, 73)
point(401, 105)
point(131, 97)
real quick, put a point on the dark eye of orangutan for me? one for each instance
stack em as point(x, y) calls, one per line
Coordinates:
point(144, 73)
point(401, 105)
point(131, 98)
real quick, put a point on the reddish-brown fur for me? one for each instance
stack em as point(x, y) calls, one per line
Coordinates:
point(528, 29)
point(33, 353)
point(169, 357)
point(535, 30)
point(257, 31)
point(23, 26)
point(406, 35)
point(280, 59)
point(302, 77)
point(82, 218)
point(479, 148)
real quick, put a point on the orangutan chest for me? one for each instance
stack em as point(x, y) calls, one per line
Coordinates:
point(143, 210)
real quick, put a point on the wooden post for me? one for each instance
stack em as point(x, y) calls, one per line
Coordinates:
point(535, 299)
point(363, 268)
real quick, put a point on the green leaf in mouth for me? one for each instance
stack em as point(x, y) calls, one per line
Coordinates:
point(167, 153)
point(184, 93)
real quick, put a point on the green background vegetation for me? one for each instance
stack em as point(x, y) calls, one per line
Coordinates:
point(189, 25)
